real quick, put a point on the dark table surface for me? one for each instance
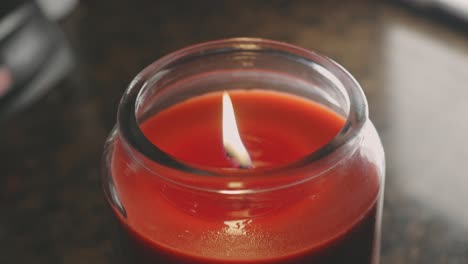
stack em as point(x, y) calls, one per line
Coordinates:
point(414, 70)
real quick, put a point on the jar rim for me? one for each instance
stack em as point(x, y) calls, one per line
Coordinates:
point(131, 132)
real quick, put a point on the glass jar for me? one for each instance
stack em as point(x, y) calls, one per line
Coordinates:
point(321, 206)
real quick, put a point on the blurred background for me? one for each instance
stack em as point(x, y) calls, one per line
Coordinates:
point(64, 65)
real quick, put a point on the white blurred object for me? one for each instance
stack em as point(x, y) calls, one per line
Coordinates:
point(57, 9)
point(426, 76)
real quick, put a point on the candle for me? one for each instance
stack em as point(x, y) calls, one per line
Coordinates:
point(241, 185)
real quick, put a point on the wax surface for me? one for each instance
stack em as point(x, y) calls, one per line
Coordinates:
point(332, 221)
point(275, 129)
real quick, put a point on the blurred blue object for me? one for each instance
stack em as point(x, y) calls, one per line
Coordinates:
point(33, 54)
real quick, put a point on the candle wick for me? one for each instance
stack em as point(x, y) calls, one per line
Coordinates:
point(245, 163)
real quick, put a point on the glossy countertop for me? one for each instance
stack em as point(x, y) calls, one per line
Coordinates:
point(412, 65)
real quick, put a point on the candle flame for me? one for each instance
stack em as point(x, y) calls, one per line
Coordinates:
point(232, 141)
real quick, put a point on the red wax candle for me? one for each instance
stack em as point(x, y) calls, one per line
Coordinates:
point(169, 225)
point(313, 193)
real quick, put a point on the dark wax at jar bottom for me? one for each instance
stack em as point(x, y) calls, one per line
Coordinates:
point(353, 247)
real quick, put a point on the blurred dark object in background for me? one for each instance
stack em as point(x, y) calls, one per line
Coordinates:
point(33, 54)
point(452, 12)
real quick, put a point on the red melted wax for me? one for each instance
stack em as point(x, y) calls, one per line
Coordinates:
point(327, 220)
